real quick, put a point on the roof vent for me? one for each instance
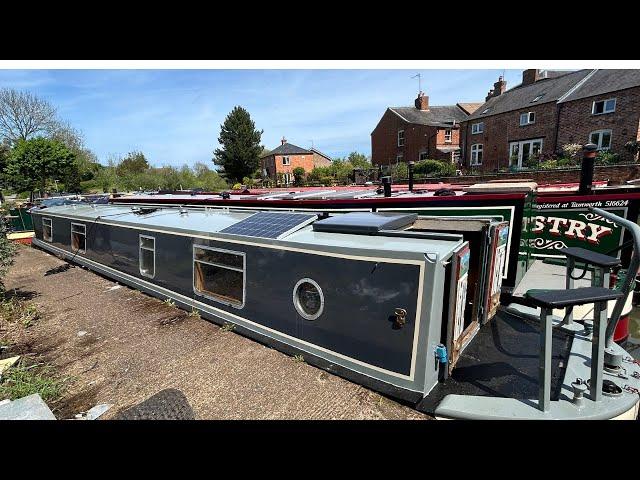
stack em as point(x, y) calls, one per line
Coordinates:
point(366, 223)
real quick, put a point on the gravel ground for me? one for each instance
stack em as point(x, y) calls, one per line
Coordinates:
point(120, 346)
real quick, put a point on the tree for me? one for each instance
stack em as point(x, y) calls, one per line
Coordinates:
point(24, 115)
point(358, 160)
point(240, 142)
point(298, 176)
point(133, 163)
point(34, 162)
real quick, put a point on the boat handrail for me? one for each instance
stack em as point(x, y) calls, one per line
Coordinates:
point(632, 270)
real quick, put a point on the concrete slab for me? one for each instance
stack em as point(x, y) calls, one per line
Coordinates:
point(26, 408)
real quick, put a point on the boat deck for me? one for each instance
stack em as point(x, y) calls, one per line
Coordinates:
point(502, 361)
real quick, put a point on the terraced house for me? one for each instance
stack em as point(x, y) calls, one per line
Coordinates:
point(419, 132)
point(550, 109)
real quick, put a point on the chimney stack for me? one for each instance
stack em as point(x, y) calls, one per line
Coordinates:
point(489, 95)
point(422, 102)
point(499, 87)
point(530, 76)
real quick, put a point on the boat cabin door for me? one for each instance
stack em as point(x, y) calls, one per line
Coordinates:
point(499, 237)
point(462, 326)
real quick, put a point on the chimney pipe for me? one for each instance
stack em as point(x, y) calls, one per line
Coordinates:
point(386, 184)
point(411, 176)
point(586, 172)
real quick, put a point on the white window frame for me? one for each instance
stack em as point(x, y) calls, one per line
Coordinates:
point(486, 110)
point(475, 149)
point(286, 161)
point(288, 178)
point(600, 134)
point(44, 220)
point(604, 106)
point(84, 233)
point(477, 128)
point(520, 149)
point(421, 154)
point(538, 97)
point(153, 239)
point(448, 132)
point(219, 265)
point(401, 138)
point(529, 118)
point(399, 158)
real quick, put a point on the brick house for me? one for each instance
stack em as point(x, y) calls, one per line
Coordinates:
point(284, 159)
point(416, 133)
point(548, 110)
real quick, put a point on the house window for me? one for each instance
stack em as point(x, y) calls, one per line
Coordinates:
point(399, 158)
point(447, 135)
point(286, 161)
point(538, 97)
point(79, 237)
point(477, 128)
point(604, 106)
point(527, 118)
point(520, 152)
point(486, 110)
point(287, 178)
point(219, 275)
point(147, 256)
point(401, 138)
point(47, 230)
point(602, 138)
point(422, 156)
point(476, 154)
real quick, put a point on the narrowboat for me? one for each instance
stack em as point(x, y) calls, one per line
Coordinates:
point(413, 312)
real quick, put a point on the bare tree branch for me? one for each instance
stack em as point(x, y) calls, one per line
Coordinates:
point(23, 115)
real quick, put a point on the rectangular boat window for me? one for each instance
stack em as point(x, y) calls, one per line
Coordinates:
point(219, 275)
point(147, 256)
point(47, 230)
point(78, 237)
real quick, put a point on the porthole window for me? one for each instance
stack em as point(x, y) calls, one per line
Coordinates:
point(308, 299)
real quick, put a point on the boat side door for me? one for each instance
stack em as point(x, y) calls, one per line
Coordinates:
point(462, 327)
point(499, 236)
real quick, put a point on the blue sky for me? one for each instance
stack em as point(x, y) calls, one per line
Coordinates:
point(174, 116)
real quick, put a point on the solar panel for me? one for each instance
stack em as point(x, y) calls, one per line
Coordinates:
point(270, 224)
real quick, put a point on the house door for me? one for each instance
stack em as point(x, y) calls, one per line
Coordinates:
point(519, 152)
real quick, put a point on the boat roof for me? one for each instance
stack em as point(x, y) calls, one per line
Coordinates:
point(224, 223)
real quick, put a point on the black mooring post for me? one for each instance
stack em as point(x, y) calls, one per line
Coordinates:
point(586, 173)
point(386, 184)
point(411, 176)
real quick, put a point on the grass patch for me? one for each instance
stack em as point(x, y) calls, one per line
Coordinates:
point(22, 380)
point(298, 358)
point(15, 310)
point(194, 313)
point(228, 327)
point(169, 302)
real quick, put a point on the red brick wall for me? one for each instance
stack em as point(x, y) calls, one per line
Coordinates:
point(577, 122)
point(417, 138)
point(304, 161)
point(503, 128)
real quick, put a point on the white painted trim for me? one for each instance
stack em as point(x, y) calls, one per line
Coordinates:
point(50, 229)
point(398, 115)
point(480, 129)
point(71, 232)
point(477, 150)
point(256, 326)
point(604, 104)
point(577, 85)
point(140, 248)
point(398, 137)
point(600, 132)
